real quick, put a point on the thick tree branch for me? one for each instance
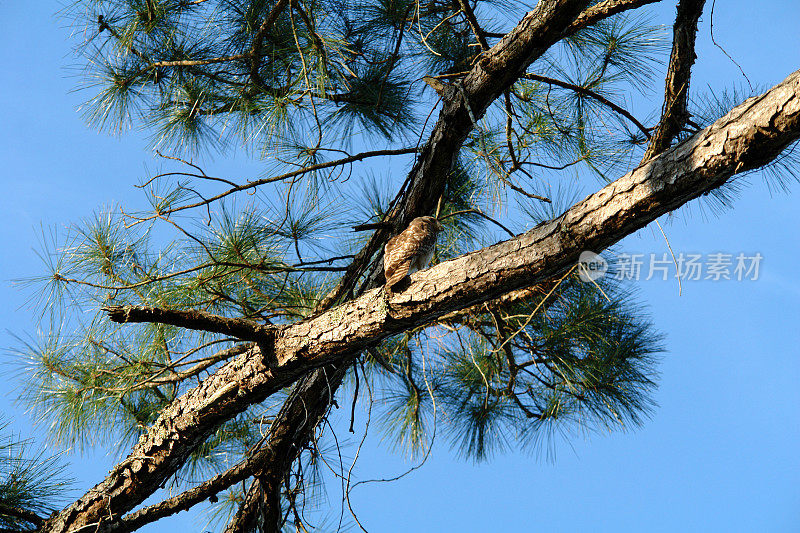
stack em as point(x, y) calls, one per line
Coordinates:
point(308, 402)
point(675, 112)
point(748, 137)
point(302, 411)
point(603, 10)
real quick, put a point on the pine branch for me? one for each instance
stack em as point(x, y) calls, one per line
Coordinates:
point(497, 70)
point(480, 35)
point(253, 53)
point(258, 40)
point(19, 513)
point(395, 55)
point(318, 43)
point(194, 62)
point(590, 93)
point(299, 172)
point(240, 328)
point(302, 411)
point(175, 376)
point(675, 112)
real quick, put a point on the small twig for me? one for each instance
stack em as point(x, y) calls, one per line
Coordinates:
point(713, 40)
point(395, 55)
point(305, 170)
point(355, 459)
point(328, 260)
point(674, 261)
point(523, 191)
point(479, 213)
point(355, 399)
point(533, 313)
point(450, 75)
point(372, 225)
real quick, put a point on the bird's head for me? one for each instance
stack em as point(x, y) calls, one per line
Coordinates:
point(432, 222)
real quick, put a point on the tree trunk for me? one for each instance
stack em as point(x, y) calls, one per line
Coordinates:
point(288, 435)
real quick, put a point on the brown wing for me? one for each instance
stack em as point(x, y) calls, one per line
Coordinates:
point(397, 257)
point(402, 250)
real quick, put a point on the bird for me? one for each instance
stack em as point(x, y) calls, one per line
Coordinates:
point(411, 250)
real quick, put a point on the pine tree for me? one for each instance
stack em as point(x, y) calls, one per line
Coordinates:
point(227, 320)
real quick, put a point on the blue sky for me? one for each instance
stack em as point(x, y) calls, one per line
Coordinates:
point(721, 451)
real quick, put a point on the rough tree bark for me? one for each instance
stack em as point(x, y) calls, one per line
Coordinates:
point(749, 136)
point(675, 112)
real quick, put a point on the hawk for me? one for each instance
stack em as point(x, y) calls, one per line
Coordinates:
point(411, 250)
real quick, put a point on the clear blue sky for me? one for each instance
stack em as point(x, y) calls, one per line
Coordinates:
point(721, 452)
